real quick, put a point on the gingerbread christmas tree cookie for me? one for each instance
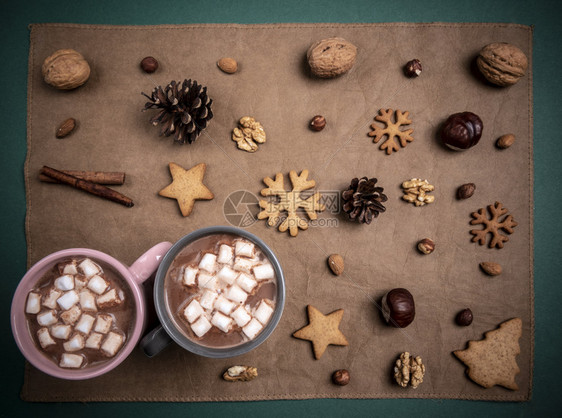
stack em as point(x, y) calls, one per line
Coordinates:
point(187, 187)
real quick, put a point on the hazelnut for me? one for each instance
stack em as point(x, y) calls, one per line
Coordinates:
point(318, 123)
point(340, 377)
point(426, 246)
point(466, 190)
point(413, 68)
point(65, 69)
point(461, 131)
point(149, 64)
point(501, 63)
point(464, 318)
point(398, 308)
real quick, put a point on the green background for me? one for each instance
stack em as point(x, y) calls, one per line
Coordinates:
point(547, 68)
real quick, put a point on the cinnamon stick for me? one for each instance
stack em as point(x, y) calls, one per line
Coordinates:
point(98, 177)
point(87, 186)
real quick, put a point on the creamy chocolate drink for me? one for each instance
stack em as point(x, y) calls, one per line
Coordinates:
point(80, 313)
point(220, 290)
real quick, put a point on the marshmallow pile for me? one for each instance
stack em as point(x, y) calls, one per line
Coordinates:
point(222, 283)
point(70, 310)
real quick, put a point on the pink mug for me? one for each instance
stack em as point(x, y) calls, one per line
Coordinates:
point(133, 276)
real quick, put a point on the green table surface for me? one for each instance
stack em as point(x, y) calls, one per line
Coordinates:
point(544, 15)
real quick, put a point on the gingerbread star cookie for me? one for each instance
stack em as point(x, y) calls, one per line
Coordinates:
point(322, 330)
point(491, 361)
point(187, 187)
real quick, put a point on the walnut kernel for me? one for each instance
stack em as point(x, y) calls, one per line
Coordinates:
point(409, 370)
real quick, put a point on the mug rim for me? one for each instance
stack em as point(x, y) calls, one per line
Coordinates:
point(24, 340)
point(179, 337)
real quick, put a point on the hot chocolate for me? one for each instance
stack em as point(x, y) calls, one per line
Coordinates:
point(80, 313)
point(220, 290)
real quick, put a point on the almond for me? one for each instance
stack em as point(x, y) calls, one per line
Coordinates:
point(335, 262)
point(66, 128)
point(505, 141)
point(491, 269)
point(228, 65)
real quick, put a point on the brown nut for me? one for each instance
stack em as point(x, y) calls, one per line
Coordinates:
point(341, 377)
point(501, 63)
point(490, 268)
point(413, 68)
point(426, 246)
point(335, 262)
point(149, 64)
point(462, 131)
point(66, 128)
point(505, 141)
point(331, 57)
point(318, 123)
point(464, 318)
point(398, 308)
point(65, 69)
point(228, 65)
point(466, 190)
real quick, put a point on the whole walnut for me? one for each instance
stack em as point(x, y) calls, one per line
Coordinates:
point(65, 69)
point(501, 63)
point(331, 57)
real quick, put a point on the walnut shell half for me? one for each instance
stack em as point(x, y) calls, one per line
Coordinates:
point(501, 63)
point(65, 69)
point(331, 57)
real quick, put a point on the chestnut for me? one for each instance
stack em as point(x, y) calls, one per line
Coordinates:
point(398, 307)
point(461, 131)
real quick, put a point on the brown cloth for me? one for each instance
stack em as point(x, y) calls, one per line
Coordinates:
point(273, 85)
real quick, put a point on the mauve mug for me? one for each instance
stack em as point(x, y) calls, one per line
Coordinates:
point(133, 276)
point(157, 339)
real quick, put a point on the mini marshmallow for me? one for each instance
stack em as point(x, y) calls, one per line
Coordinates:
point(246, 282)
point(65, 282)
point(244, 264)
point(244, 248)
point(70, 269)
point(201, 326)
point(189, 275)
point(103, 323)
point(208, 262)
point(241, 316)
point(45, 338)
point(47, 318)
point(89, 268)
point(112, 344)
point(252, 328)
point(206, 281)
point(71, 361)
point(264, 311)
point(208, 299)
point(221, 321)
point(71, 316)
point(51, 300)
point(226, 254)
point(224, 305)
point(227, 275)
point(62, 332)
point(75, 343)
point(85, 324)
point(94, 341)
point(87, 300)
point(33, 304)
point(235, 294)
point(264, 272)
point(97, 284)
point(193, 311)
point(80, 282)
point(108, 299)
point(68, 300)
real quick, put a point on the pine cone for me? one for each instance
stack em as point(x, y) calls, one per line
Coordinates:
point(363, 200)
point(185, 110)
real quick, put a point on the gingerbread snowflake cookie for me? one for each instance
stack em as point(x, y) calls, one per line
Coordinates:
point(391, 130)
point(493, 225)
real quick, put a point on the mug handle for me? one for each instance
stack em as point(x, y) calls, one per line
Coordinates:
point(147, 263)
point(155, 341)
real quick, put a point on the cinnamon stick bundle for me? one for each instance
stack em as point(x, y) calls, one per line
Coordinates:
point(98, 177)
point(87, 186)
